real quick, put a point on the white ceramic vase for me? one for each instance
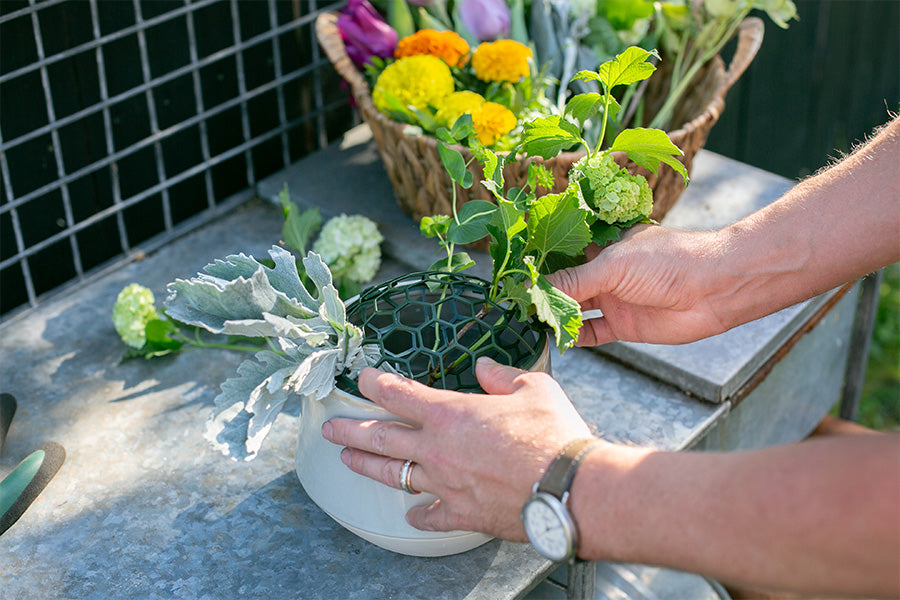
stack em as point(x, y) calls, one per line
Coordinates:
point(370, 509)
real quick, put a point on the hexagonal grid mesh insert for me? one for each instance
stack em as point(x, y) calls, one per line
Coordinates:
point(432, 326)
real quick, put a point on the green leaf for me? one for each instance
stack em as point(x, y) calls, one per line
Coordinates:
point(628, 67)
point(455, 165)
point(516, 292)
point(559, 311)
point(603, 233)
point(425, 120)
point(471, 220)
point(509, 218)
point(586, 76)
point(492, 166)
point(503, 249)
point(584, 106)
point(299, 227)
point(547, 136)
point(157, 333)
point(458, 261)
point(557, 224)
point(540, 175)
point(462, 127)
point(649, 147)
point(435, 225)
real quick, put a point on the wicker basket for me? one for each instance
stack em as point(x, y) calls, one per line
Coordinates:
point(422, 186)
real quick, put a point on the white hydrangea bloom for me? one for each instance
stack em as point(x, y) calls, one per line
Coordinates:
point(350, 246)
point(134, 307)
point(618, 195)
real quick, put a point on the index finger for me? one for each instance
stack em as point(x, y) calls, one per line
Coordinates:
point(398, 395)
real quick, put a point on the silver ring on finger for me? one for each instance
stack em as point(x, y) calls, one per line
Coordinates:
point(406, 477)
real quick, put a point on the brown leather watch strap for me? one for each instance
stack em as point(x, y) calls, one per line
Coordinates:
point(559, 475)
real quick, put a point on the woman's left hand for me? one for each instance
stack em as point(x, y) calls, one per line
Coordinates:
point(479, 454)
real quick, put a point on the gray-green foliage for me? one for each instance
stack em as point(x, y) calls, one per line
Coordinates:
point(311, 341)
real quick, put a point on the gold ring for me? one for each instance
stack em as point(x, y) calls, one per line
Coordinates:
point(406, 476)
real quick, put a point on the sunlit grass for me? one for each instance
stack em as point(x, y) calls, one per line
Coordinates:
point(879, 406)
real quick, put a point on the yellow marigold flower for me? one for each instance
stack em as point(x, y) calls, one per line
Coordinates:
point(420, 81)
point(492, 120)
point(447, 45)
point(503, 60)
point(455, 105)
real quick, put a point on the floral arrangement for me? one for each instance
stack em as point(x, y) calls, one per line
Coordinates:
point(532, 235)
point(514, 53)
point(435, 77)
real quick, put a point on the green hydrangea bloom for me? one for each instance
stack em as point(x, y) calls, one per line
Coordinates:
point(619, 196)
point(350, 246)
point(134, 307)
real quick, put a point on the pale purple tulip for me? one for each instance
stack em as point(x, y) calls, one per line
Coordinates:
point(486, 19)
point(365, 33)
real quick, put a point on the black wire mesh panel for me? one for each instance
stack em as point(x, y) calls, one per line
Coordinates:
point(432, 326)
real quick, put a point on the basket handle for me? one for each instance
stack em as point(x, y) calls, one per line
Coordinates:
point(750, 38)
point(331, 41)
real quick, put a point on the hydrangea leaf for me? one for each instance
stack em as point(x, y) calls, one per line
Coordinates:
point(548, 136)
point(648, 148)
point(584, 106)
point(559, 311)
point(628, 67)
point(557, 223)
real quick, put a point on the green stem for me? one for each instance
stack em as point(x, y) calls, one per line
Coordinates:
point(198, 343)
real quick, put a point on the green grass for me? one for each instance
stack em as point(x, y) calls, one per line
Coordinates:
point(879, 407)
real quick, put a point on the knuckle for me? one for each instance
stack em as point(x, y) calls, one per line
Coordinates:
point(386, 475)
point(379, 436)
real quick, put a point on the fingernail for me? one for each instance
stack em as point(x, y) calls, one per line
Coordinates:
point(327, 430)
point(345, 456)
point(486, 361)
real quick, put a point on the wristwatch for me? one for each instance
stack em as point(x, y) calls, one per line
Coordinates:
point(546, 517)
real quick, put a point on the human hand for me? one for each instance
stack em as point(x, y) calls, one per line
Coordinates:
point(657, 285)
point(479, 454)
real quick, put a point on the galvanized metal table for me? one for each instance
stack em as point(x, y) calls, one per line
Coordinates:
point(143, 506)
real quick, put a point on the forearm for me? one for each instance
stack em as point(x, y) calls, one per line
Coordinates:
point(828, 230)
point(822, 515)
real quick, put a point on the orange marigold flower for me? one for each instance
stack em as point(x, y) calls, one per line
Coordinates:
point(492, 120)
point(447, 45)
point(503, 60)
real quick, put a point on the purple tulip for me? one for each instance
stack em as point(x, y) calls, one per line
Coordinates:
point(486, 19)
point(365, 33)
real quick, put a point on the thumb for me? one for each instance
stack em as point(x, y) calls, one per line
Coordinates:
point(495, 378)
point(579, 282)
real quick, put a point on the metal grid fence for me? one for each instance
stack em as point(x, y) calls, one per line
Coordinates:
point(126, 123)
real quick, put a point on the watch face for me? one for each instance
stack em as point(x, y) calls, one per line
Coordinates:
point(549, 527)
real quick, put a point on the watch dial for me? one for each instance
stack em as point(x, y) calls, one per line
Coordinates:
point(546, 531)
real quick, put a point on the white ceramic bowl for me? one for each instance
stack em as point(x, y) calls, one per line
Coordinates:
point(371, 510)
